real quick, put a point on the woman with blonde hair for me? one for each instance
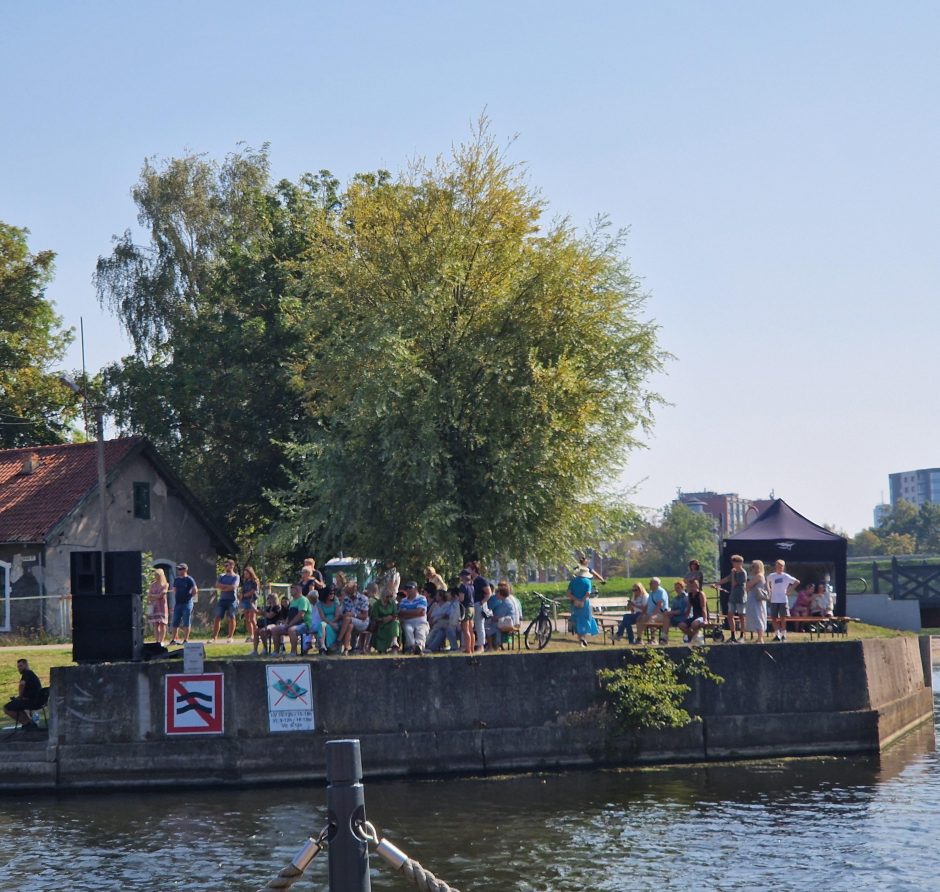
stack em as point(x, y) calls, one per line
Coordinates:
point(755, 610)
point(431, 575)
point(158, 610)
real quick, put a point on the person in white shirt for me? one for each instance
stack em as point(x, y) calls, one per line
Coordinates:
point(780, 584)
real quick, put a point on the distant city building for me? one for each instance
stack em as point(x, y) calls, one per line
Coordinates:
point(916, 487)
point(881, 513)
point(731, 511)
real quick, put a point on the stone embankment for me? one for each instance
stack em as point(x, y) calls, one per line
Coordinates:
point(465, 715)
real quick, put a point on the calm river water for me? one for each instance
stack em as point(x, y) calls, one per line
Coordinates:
point(839, 823)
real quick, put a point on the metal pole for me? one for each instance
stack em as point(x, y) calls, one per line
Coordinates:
point(346, 808)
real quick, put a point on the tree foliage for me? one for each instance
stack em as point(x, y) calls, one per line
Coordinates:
point(208, 304)
point(474, 370)
point(670, 545)
point(35, 407)
point(907, 529)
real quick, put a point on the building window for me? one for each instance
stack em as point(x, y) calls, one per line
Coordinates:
point(142, 501)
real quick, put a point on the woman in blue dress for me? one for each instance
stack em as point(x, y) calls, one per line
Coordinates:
point(579, 591)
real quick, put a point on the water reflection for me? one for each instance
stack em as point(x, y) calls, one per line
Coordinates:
point(854, 822)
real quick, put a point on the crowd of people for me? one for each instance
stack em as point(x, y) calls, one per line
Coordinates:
point(473, 615)
point(336, 617)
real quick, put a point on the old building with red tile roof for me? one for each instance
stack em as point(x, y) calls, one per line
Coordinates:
point(50, 507)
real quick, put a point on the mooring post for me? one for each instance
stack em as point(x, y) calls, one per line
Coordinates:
point(346, 809)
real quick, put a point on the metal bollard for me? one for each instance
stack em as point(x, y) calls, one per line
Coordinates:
point(346, 808)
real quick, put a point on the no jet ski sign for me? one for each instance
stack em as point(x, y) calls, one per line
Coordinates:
point(290, 697)
point(194, 704)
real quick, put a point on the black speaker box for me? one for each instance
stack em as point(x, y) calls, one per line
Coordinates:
point(107, 628)
point(122, 573)
point(86, 573)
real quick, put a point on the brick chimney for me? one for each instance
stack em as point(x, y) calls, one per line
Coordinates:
point(30, 463)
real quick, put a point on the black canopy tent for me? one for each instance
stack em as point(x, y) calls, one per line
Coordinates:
point(779, 532)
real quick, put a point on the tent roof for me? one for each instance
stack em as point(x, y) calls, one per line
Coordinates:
point(780, 521)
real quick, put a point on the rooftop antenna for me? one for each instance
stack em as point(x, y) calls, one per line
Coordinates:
point(81, 328)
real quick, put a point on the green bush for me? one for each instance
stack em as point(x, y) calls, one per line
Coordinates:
point(649, 693)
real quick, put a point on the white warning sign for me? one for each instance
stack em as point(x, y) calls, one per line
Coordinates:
point(290, 697)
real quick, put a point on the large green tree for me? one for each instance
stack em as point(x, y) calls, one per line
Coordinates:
point(206, 299)
point(35, 406)
point(682, 536)
point(475, 371)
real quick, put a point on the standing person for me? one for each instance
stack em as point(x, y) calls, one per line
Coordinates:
point(638, 603)
point(431, 575)
point(413, 611)
point(579, 593)
point(583, 565)
point(657, 612)
point(695, 572)
point(227, 587)
point(780, 583)
point(465, 599)
point(755, 618)
point(482, 592)
point(698, 612)
point(737, 597)
point(157, 611)
point(251, 587)
point(318, 582)
point(387, 627)
point(185, 593)
point(389, 578)
point(28, 697)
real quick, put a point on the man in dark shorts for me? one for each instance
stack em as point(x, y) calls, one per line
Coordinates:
point(185, 591)
point(27, 699)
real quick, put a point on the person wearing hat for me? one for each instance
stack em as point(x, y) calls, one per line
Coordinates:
point(185, 593)
point(579, 592)
point(413, 613)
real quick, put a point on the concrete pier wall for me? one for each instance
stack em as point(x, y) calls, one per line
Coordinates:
point(464, 715)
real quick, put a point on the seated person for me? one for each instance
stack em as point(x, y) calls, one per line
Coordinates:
point(355, 615)
point(697, 616)
point(821, 603)
point(638, 607)
point(804, 597)
point(656, 614)
point(678, 606)
point(506, 615)
point(29, 697)
point(439, 617)
point(298, 623)
point(268, 618)
point(384, 614)
point(413, 613)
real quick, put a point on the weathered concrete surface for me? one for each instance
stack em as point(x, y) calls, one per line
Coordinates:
point(464, 714)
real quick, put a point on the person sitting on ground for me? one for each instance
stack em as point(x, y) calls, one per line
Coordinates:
point(657, 613)
point(507, 615)
point(821, 603)
point(678, 605)
point(355, 618)
point(413, 611)
point(384, 614)
point(28, 697)
point(638, 603)
point(269, 617)
point(697, 617)
point(227, 587)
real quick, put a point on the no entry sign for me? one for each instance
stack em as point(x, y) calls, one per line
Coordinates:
point(194, 704)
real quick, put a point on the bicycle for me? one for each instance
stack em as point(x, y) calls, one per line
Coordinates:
point(539, 632)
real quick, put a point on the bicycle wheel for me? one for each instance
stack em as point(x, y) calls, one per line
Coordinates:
point(538, 633)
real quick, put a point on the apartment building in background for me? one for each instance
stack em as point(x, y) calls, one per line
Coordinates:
point(731, 511)
point(916, 487)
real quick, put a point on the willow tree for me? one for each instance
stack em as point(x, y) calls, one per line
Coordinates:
point(474, 373)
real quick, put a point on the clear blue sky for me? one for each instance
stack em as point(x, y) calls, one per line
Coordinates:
point(775, 162)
